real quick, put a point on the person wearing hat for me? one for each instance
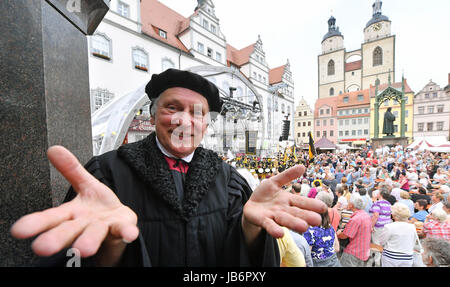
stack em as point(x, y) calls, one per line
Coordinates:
point(165, 201)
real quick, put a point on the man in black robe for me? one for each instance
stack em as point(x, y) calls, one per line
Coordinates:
point(165, 201)
point(388, 123)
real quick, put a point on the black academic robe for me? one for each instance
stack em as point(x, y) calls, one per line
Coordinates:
point(204, 229)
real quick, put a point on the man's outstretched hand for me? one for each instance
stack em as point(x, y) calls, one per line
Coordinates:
point(94, 218)
point(270, 208)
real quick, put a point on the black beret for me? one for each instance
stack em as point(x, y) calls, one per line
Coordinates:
point(172, 78)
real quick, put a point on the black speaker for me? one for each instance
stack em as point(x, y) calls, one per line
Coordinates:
point(285, 133)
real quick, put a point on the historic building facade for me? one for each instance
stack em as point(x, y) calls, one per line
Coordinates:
point(139, 38)
point(325, 119)
point(432, 112)
point(303, 123)
point(353, 115)
point(341, 71)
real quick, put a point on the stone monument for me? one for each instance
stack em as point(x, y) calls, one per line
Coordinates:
point(44, 101)
point(390, 93)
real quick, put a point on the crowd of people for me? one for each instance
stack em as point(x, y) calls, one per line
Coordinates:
point(387, 207)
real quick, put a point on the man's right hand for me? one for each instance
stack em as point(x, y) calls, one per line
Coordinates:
point(94, 218)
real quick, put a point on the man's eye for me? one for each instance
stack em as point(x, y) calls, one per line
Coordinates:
point(171, 108)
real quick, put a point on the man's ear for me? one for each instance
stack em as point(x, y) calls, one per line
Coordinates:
point(152, 120)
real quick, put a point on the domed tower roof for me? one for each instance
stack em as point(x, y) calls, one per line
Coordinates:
point(332, 29)
point(377, 15)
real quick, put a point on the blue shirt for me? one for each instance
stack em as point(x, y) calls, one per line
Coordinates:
point(321, 240)
point(420, 215)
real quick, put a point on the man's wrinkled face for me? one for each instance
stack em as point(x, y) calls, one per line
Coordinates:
point(181, 120)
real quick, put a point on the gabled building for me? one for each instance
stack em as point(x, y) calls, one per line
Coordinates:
point(303, 123)
point(432, 112)
point(325, 119)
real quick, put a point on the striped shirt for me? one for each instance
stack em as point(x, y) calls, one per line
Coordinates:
point(359, 230)
point(383, 208)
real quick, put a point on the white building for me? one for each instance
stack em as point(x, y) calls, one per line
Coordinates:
point(139, 38)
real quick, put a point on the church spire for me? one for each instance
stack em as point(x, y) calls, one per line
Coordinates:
point(377, 7)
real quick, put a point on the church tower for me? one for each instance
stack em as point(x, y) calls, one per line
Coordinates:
point(331, 62)
point(378, 49)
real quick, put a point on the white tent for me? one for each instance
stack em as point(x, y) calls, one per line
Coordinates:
point(433, 144)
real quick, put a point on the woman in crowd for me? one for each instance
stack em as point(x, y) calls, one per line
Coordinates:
point(324, 243)
point(398, 239)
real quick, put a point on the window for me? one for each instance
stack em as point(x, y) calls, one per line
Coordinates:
point(162, 34)
point(366, 120)
point(396, 114)
point(324, 134)
point(360, 98)
point(299, 114)
point(167, 64)
point(347, 112)
point(353, 121)
point(331, 68)
point(101, 46)
point(359, 111)
point(347, 122)
point(359, 132)
point(218, 57)
point(328, 111)
point(331, 122)
point(331, 133)
point(366, 111)
point(345, 99)
point(140, 59)
point(360, 121)
point(430, 109)
point(205, 24)
point(440, 108)
point(421, 110)
point(309, 124)
point(318, 134)
point(341, 133)
point(282, 108)
point(331, 92)
point(420, 127)
point(427, 96)
point(101, 97)
point(304, 124)
point(200, 48)
point(341, 122)
point(209, 52)
point(321, 112)
point(406, 113)
point(299, 124)
point(123, 9)
point(435, 95)
point(305, 113)
point(366, 132)
point(324, 123)
point(429, 127)
point(353, 132)
point(318, 123)
point(386, 103)
point(440, 126)
point(213, 29)
point(304, 134)
point(347, 133)
point(377, 57)
point(298, 135)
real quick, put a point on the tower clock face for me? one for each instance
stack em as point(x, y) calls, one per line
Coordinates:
point(377, 26)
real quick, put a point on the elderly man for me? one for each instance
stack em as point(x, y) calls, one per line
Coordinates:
point(164, 201)
point(358, 230)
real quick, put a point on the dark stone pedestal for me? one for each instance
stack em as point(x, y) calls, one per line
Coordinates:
point(389, 141)
point(44, 101)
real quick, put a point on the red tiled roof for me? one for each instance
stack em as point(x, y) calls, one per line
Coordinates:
point(276, 75)
point(329, 101)
point(383, 87)
point(155, 16)
point(353, 99)
point(353, 66)
point(239, 57)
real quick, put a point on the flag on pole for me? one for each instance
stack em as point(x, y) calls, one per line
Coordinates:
point(312, 149)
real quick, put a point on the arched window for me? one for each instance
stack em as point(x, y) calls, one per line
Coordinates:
point(377, 57)
point(330, 68)
point(167, 64)
point(331, 92)
point(101, 46)
point(140, 59)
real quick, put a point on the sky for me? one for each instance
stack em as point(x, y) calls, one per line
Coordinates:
point(293, 29)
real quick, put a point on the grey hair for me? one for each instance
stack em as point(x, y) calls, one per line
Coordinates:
point(438, 249)
point(357, 201)
point(153, 106)
point(325, 197)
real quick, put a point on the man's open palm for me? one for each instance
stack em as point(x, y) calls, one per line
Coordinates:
point(93, 217)
point(270, 207)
